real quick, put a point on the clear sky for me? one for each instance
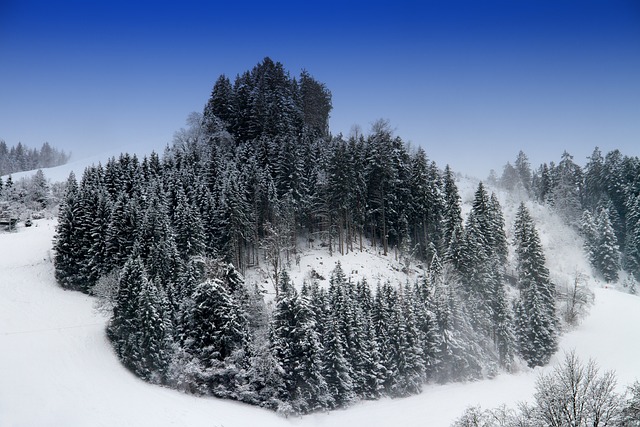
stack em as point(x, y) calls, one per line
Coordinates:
point(473, 82)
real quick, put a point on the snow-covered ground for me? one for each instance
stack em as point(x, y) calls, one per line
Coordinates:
point(57, 368)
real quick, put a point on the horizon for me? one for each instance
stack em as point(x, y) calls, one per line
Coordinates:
point(473, 84)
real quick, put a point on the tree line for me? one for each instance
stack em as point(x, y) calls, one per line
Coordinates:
point(167, 238)
point(601, 199)
point(20, 158)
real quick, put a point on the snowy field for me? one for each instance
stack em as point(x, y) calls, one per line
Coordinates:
point(57, 368)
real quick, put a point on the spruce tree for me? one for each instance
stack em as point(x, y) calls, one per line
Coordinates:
point(606, 251)
point(138, 328)
point(536, 321)
point(452, 217)
point(298, 350)
point(66, 243)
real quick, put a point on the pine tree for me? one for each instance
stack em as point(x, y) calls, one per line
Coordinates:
point(138, 328)
point(121, 233)
point(216, 333)
point(523, 168)
point(427, 323)
point(606, 254)
point(221, 106)
point(337, 370)
point(189, 230)
point(594, 180)
point(536, 319)
point(67, 267)
point(632, 238)
point(452, 217)
point(298, 350)
point(567, 189)
point(368, 370)
point(426, 204)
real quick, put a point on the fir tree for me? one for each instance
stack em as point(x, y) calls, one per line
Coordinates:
point(536, 319)
point(67, 267)
point(606, 254)
point(138, 328)
point(298, 351)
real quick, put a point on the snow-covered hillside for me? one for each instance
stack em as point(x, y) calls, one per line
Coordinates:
point(57, 368)
point(61, 173)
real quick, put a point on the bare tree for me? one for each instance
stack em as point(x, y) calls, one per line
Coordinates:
point(576, 395)
point(576, 298)
point(573, 395)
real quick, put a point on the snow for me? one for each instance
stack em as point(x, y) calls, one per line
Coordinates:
point(57, 367)
point(61, 173)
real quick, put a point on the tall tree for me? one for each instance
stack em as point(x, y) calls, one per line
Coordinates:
point(536, 321)
point(298, 350)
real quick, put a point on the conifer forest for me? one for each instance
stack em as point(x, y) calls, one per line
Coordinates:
point(257, 177)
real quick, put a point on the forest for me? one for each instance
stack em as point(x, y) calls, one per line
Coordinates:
point(22, 158)
point(165, 240)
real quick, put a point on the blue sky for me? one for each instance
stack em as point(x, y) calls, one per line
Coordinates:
point(473, 82)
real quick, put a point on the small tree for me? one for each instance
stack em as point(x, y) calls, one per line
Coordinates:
point(577, 299)
point(575, 394)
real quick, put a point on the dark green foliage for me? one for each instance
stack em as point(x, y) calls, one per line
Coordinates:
point(66, 244)
point(139, 329)
point(536, 318)
point(298, 351)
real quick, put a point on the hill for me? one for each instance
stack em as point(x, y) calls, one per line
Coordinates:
point(57, 367)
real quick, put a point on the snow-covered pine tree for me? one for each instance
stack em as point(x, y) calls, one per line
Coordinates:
point(632, 240)
point(536, 319)
point(427, 325)
point(67, 271)
point(298, 351)
point(606, 252)
point(121, 232)
point(336, 368)
point(216, 334)
point(594, 180)
point(426, 207)
point(567, 189)
point(368, 370)
point(138, 327)
point(523, 168)
point(188, 227)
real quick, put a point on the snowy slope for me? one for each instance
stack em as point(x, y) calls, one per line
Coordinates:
point(57, 368)
point(61, 173)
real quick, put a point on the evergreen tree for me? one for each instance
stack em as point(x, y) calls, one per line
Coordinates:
point(632, 238)
point(121, 233)
point(337, 370)
point(606, 255)
point(216, 333)
point(67, 267)
point(368, 370)
point(426, 204)
point(189, 230)
point(138, 328)
point(427, 324)
point(567, 189)
point(536, 319)
point(298, 350)
point(452, 217)
point(594, 180)
point(523, 168)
